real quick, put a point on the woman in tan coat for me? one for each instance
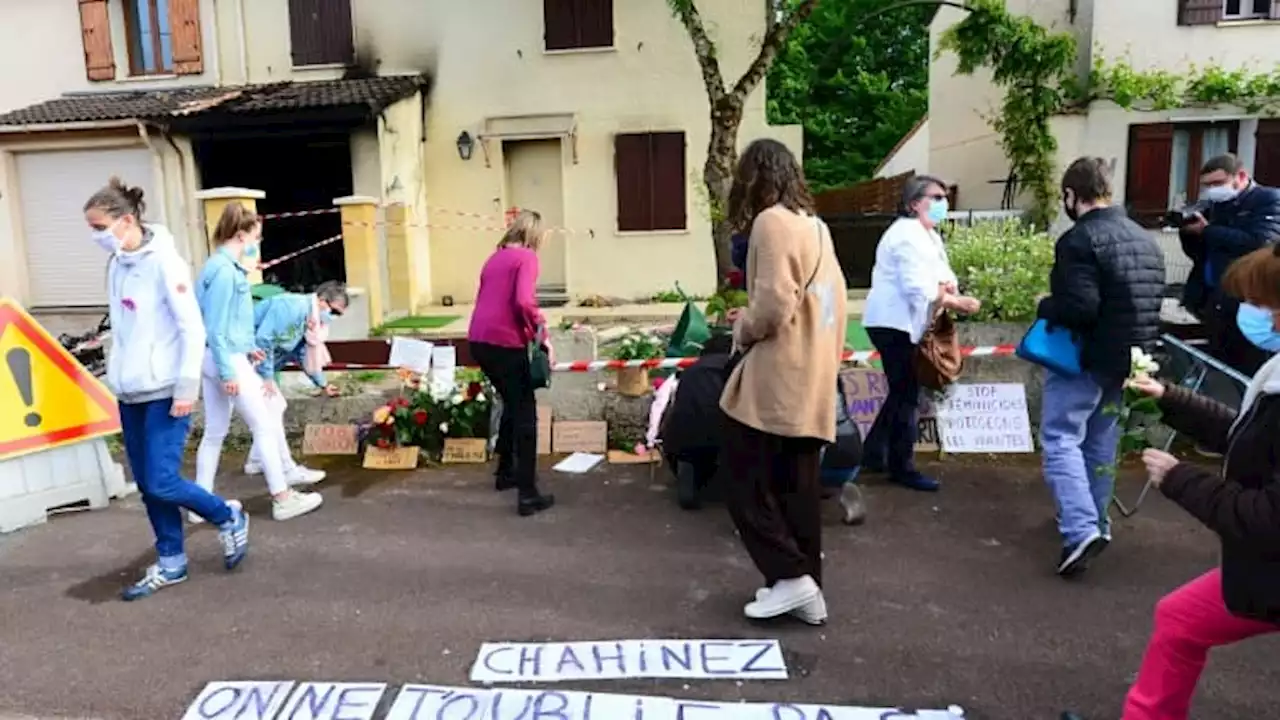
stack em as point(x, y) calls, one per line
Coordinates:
point(778, 400)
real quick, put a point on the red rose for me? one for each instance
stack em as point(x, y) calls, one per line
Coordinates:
point(400, 402)
point(420, 417)
point(474, 389)
point(383, 443)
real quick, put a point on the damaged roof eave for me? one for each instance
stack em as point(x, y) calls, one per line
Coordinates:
point(69, 126)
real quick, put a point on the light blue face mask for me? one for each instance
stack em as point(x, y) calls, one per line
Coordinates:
point(1258, 325)
point(938, 210)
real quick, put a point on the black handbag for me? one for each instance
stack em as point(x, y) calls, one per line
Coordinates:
point(539, 361)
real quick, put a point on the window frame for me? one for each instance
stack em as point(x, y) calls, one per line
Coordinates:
point(1150, 216)
point(656, 211)
point(1248, 10)
point(133, 38)
point(574, 13)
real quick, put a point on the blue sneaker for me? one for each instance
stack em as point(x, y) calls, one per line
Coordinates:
point(155, 579)
point(915, 481)
point(235, 537)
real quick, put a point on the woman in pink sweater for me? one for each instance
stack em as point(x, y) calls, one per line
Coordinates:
point(505, 320)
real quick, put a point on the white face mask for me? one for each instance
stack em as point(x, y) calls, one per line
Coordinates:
point(1220, 193)
point(106, 238)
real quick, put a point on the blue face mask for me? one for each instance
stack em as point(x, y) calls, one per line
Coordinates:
point(938, 210)
point(1258, 325)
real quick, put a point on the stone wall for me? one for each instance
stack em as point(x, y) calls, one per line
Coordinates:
point(577, 396)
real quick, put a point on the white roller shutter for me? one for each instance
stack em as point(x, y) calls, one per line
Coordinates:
point(65, 268)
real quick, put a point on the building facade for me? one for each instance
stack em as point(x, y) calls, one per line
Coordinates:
point(591, 112)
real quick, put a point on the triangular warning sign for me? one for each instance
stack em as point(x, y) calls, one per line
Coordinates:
point(47, 398)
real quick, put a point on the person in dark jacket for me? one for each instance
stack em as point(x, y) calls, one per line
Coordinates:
point(1241, 599)
point(1106, 285)
point(1242, 216)
point(690, 429)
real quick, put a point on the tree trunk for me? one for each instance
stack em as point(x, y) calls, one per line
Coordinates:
point(717, 175)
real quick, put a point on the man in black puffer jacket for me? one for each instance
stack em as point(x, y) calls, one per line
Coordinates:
point(1106, 286)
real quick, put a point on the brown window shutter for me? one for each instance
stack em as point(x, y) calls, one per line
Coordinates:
point(1199, 12)
point(595, 23)
point(633, 168)
point(561, 21)
point(1150, 162)
point(321, 33)
point(1266, 161)
point(669, 180)
point(95, 33)
point(184, 33)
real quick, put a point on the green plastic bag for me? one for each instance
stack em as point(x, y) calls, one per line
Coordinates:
point(691, 332)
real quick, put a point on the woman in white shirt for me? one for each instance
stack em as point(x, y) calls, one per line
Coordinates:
point(911, 280)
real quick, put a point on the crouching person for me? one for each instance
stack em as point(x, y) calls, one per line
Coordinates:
point(690, 428)
point(842, 460)
point(292, 327)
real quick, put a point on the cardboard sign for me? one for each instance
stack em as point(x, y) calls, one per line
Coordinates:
point(618, 659)
point(866, 389)
point(985, 418)
point(48, 399)
point(544, 430)
point(622, 457)
point(465, 450)
point(397, 458)
point(330, 440)
point(587, 436)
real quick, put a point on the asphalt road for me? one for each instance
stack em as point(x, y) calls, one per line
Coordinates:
point(399, 578)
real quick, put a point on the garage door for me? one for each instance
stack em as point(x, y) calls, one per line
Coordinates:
point(65, 268)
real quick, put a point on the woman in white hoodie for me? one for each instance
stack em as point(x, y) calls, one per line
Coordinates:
point(154, 370)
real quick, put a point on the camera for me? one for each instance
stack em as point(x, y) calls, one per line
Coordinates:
point(1182, 216)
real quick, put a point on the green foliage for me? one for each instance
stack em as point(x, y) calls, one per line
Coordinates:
point(1032, 65)
point(675, 295)
point(639, 346)
point(1006, 263)
point(857, 86)
point(1136, 414)
point(1207, 86)
point(723, 301)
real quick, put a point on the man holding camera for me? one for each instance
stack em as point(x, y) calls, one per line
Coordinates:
point(1235, 217)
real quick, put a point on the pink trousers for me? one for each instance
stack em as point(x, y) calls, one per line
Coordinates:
point(1189, 622)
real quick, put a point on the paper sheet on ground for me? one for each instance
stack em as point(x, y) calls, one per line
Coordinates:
point(426, 702)
point(578, 463)
point(616, 659)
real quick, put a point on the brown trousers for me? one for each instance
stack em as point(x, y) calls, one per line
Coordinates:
point(773, 489)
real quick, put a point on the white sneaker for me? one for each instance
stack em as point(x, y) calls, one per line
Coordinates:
point(295, 503)
point(815, 613)
point(784, 597)
point(303, 475)
point(195, 519)
point(252, 467)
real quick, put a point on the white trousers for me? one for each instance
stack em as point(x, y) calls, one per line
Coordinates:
point(276, 406)
point(251, 402)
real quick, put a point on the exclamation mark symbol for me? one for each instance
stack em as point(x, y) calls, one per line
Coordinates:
point(19, 361)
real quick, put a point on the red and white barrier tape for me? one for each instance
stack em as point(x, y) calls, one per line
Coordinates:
point(300, 213)
point(296, 253)
point(656, 363)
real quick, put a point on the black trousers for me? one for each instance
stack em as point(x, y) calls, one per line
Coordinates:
point(508, 371)
point(705, 462)
point(891, 442)
point(773, 490)
point(1226, 342)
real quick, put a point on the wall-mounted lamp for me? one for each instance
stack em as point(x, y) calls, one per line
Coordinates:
point(465, 145)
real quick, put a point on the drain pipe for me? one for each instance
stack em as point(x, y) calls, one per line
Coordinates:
point(242, 40)
point(159, 163)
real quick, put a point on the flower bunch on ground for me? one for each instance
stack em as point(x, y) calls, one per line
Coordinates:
point(426, 413)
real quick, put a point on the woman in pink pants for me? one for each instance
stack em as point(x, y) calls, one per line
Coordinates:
point(1241, 599)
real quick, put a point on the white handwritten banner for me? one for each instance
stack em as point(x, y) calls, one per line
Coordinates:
point(616, 659)
point(333, 701)
point(985, 418)
point(429, 702)
point(242, 700)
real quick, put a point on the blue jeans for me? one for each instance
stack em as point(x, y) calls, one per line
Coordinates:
point(1079, 434)
point(154, 442)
